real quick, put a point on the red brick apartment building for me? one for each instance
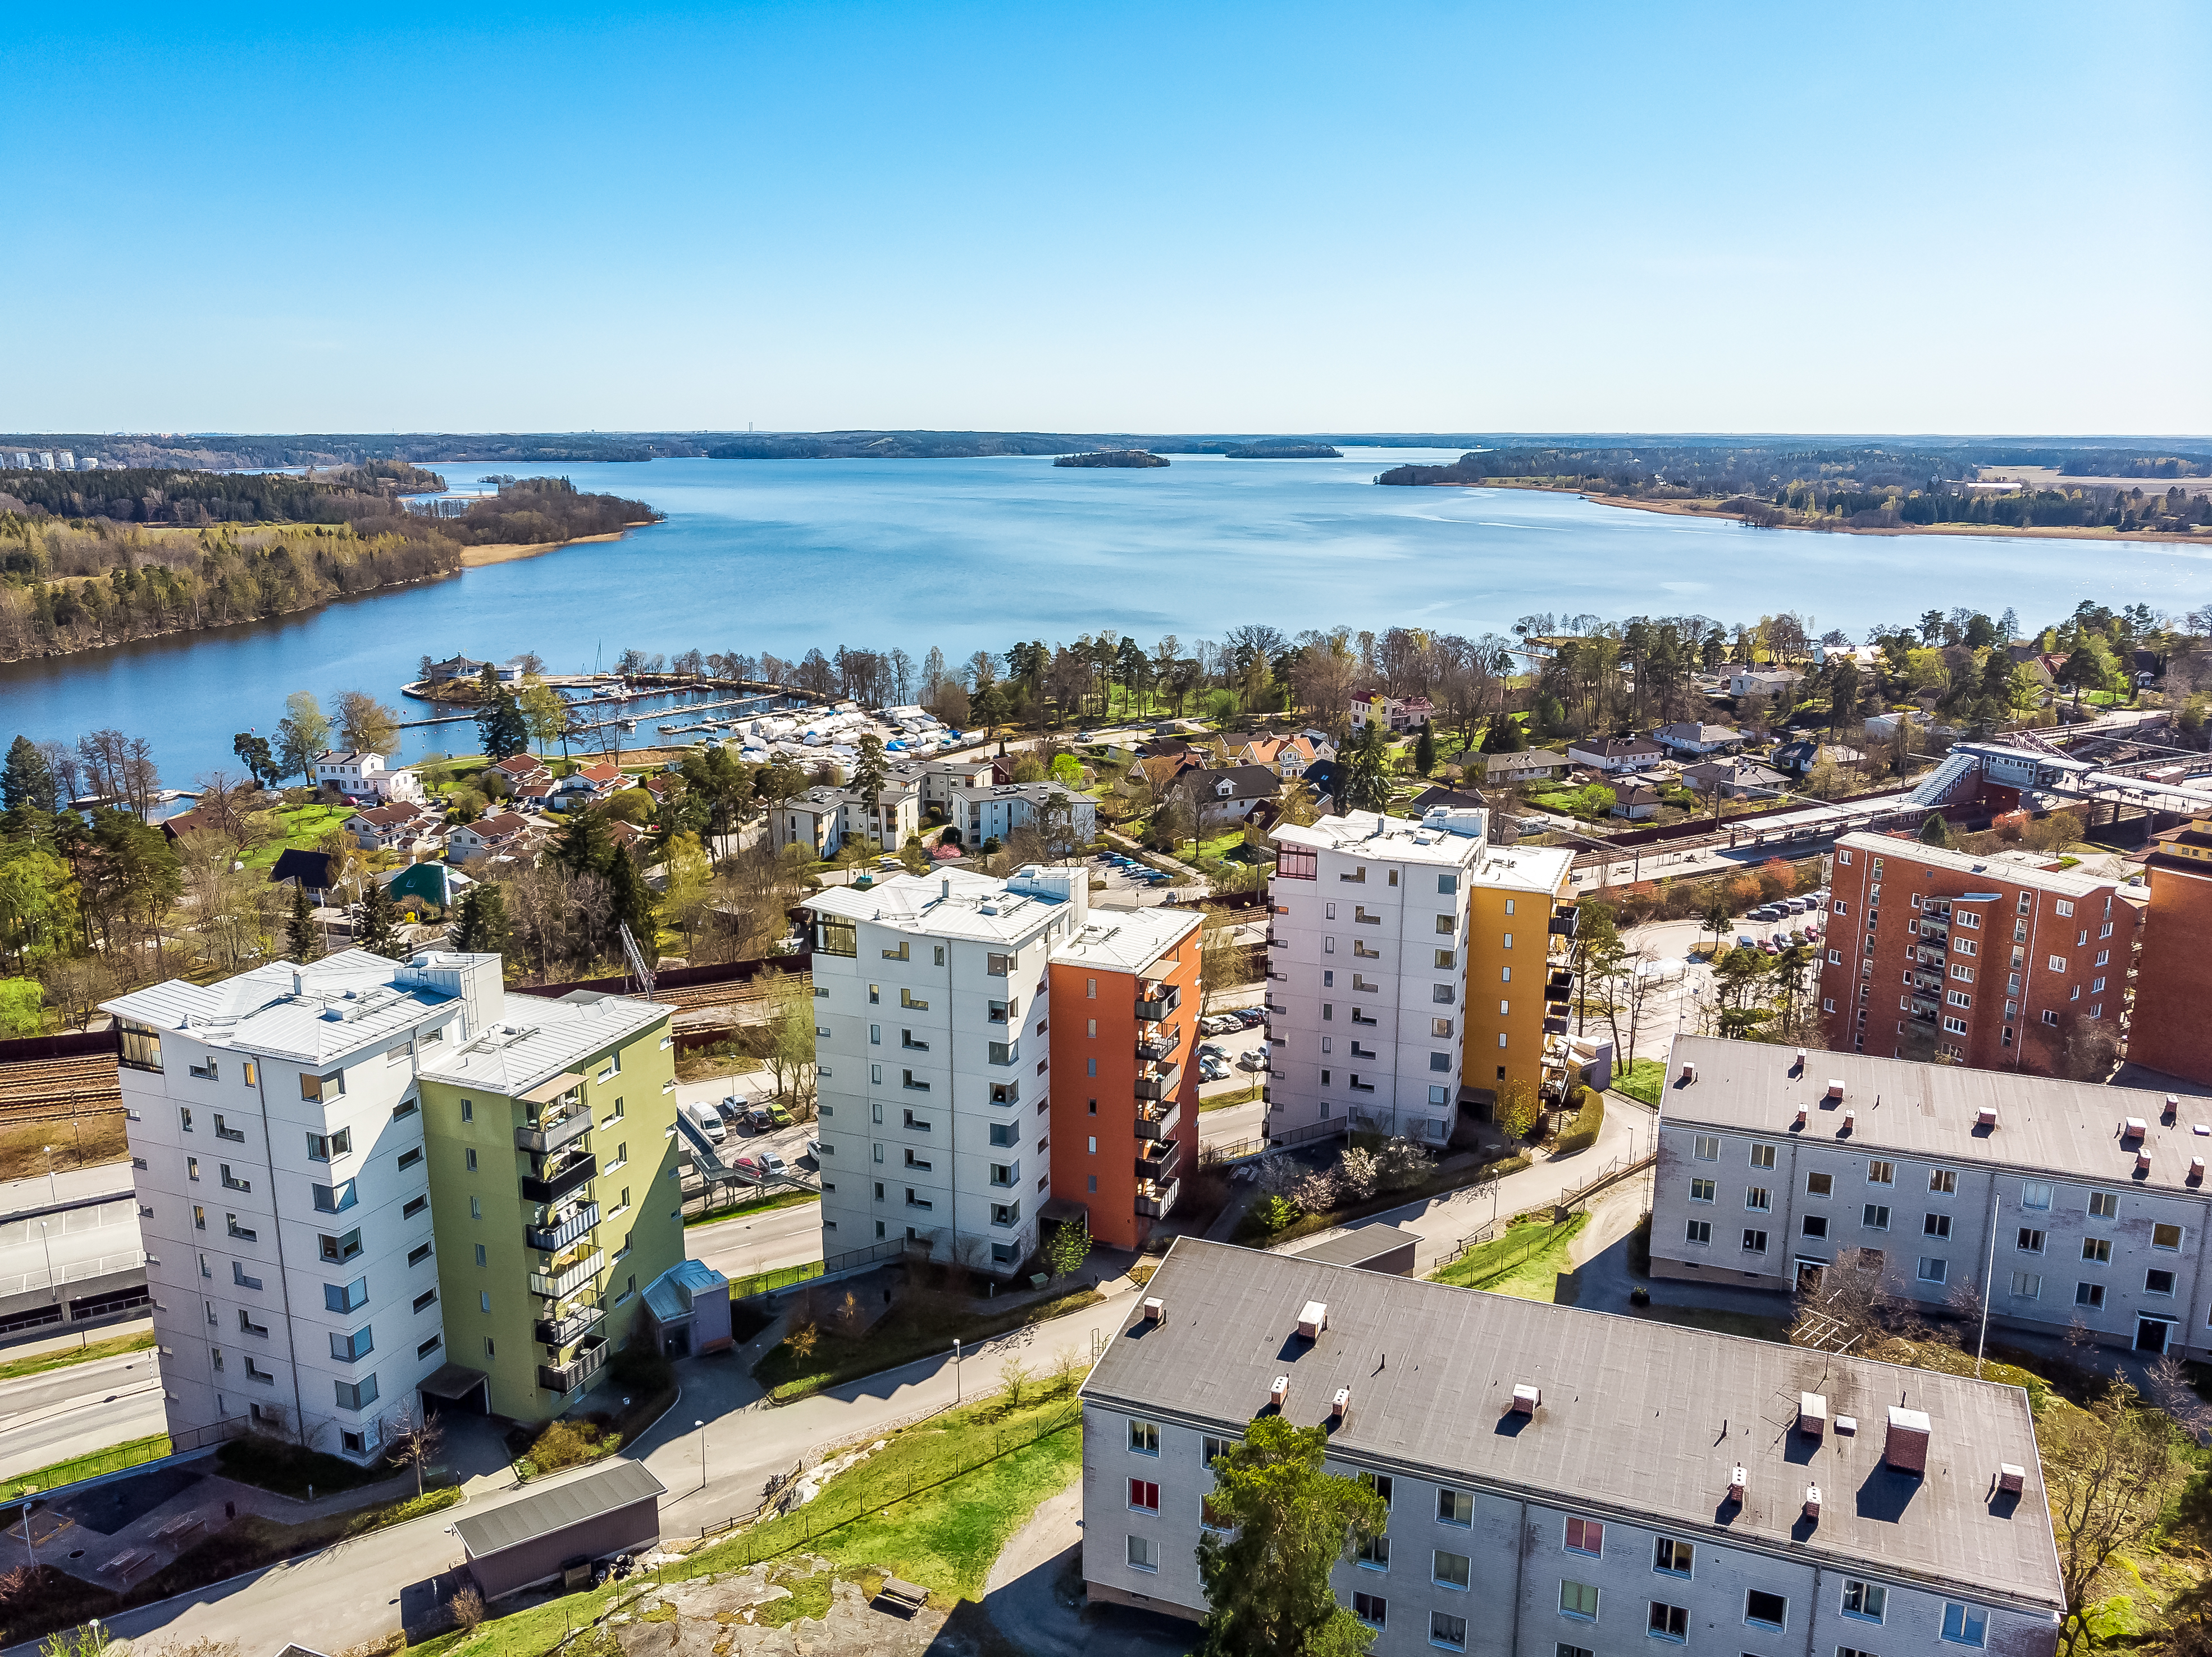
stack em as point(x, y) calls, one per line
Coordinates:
point(2173, 996)
point(1125, 1007)
point(1994, 962)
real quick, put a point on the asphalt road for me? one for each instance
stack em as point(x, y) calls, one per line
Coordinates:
point(77, 1409)
point(759, 1242)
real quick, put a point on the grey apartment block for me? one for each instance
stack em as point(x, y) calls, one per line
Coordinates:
point(2057, 1200)
point(1662, 1486)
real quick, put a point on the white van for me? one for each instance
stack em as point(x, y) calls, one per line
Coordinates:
point(706, 1120)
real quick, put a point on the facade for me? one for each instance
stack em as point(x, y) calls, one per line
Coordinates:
point(2174, 987)
point(1365, 966)
point(825, 817)
point(992, 813)
point(1221, 799)
point(2055, 1201)
point(487, 837)
point(1635, 801)
point(1762, 681)
point(1560, 1481)
point(933, 1074)
point(1615, 756)
point(1991, 962)
point(364, 776)
point(1520, 924)
point(551, 1136)
point(1126, 997)
point(1531, 765)
point(276, 1136)
point(1392, 712)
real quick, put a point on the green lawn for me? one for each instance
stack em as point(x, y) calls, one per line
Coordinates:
point(1525, 1263)
point(758, 1205)
point(110, 1460)
point(304, 829)
point(1643, 1080)
point(15, 1369)
point(916, 1329)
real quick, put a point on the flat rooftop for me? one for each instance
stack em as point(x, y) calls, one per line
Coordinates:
point(2063, 883)
point(1639, 1421)
point(1524, 868)
point(533, 1040)
point(1128, 941)
point(947, 903)
point(309, 1014)
point(2068, 1131)
point(1386, 839)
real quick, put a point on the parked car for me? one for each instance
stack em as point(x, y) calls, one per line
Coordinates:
point(1211, 1050)
point(1216, 1023)
point(1253, 1058)
point(1210, 1068)
point(705, 1119)
point(763, 1164)
point(1251, 1017)
point(1767, 946)
point(1745, 941)
point(732, 1109)
point(814, 1150)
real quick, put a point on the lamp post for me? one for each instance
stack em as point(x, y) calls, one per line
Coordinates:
point(701, 1426)
point(51, 1194)
point(29, 1492)
point(956, 1373)
point(45, 1242)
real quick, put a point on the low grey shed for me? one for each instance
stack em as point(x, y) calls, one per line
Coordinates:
point(615, 1510)
point(1369, 1248)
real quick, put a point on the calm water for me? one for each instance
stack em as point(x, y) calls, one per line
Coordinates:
point(967, 554)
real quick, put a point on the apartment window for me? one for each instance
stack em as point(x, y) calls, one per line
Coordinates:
point(356, 1395)
point(409, 1158)
point(1699, 1231)
point(2089, 1294)
point(1965, 1625)
point(420, 1252)
point(1934, 1270)
point(1578, 1600)
point(1379, 1482)
point(476, 1208)
point(1447, 1630)
point(2104, 1205)
point(1442, 994)
point(1144, 1495)
point(1935, 1225)
point(191, 1167)
point(1370, 1609)
point(2098, 1250)
point(2165, 1237)
point(1880, 1172)
point(322, 1088)
point(1762, 1156)
point(1764, 1610)
point(1754, 1242)
point(1672, 1556)
point(1446, 959)
point(1816, 1225)
point(2035, 1194)
point(1820, 1185)
point(1758, 1198)
point(348, 1348)
point(321, 1147)
point(427, 1299)
point(1586, 1535)
point(480, 1254)
point(1373, 1553)
point(468, 1109)
point(1701, 1191)
point(339, 1248)
point(1944, 1182)
point(2029, 1241)
point(1668, 1622)
point(345, 1297)
point(1143, 1555)
point(1144, 1438)
point(1706, 1148)
point(1005, 1214)
point(2027, 1286)
point(2158, 1282)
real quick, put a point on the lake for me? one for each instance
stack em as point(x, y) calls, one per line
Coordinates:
point(966, 555)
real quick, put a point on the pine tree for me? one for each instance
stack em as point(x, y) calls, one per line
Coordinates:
point(631, 902)
point(301, 941)
point(28, 780)
point(482, 930)
point(1424, 752)
point(1367, 783)
point(502, 727)
point(376, 921)
point(1934, 831)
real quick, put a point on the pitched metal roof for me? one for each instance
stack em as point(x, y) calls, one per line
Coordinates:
point(544, 1512)
point(1638, 1422)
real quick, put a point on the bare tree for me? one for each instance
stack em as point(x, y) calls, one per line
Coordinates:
point(412, 1438)
point(2109, 1472)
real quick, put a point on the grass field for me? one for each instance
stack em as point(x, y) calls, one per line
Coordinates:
point(114, 1346)
point(1643, 1080)
point(113, 1459)
point(304, 829)
point(1525, 1263)
point(758, 1205)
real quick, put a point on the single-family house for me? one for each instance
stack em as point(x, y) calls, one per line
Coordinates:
point(384, 828)
point(365, 775)
point(1531, 765)
point(1694, 739)
point(453, 667)
point(1882, 727)
point(1393, 713)
point(527, 781)
point(1614, 756)
point(1737, 779)
point(1762, 681)
point(1635, 801)
point(1285, 755)
point(195, 821)
point(1800, 758)
point(992, 813)
point(434, 882)
point(501, 834)
point(1325, 777)
point(1220, 798)
point(317, 871)
point(1429, 800)
point(586, 786)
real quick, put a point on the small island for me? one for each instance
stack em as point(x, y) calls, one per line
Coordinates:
point(1282, 452)
point(1111, 457)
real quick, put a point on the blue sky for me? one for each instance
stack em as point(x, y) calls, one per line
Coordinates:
point(1762, 217)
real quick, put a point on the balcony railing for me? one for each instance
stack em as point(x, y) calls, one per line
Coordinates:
point(551, 1134)
point(1156, 1001)
point(1162, 1046)
point(1563, 922)
point(563, 1230)
point(574, 1171)
point(559, 1331)
point(1161, 1166)
point(1158, 1202)
point(1559, 986)
point(1158, 1084)
point(1160, 1123)
point(568, 1282)
point(567, 1377)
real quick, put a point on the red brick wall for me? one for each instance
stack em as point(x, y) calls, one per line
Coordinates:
point(2173, 992)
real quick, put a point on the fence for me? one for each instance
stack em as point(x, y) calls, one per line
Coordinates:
point(852, 1259)
point(833, 1509)
point(1236, 1151)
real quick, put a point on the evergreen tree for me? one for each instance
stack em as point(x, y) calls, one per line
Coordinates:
point(1934, 831)
point(631, 902)
point(870, 774)
point(501, 728)
point(482, 929)
point(259, 759)
point(301, 940)
point(28, 780)
point(1367, 781)
point(376, 921)
point(1424, 752)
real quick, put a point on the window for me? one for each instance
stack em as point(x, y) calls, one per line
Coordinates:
point(1373, 1553)
point(427, 1299)
point(1699, 1231)
point(1876, 1216)
point(1668, 1622)
point(321, 1147)
point(322, 1088)
point(1762, 1156)
point(1144, 1438)
point(2089, 1294)
point(2167, 1237)
point(836, 937)
point(1370, 1608)
point(1441, 993)
point(409, 1158)
point(339, 1248)
point(1566, 1650)
point(1701, 1191)
point(2104, 1205)
point(1965, 1625)
point(1944, 1182)
point(1766, 1610)
point(1447, 1630)
point(420, 1252)
point(468, 1109)
point(1880, 1172)
point(1454, 1508)
point(1210, 1449)
point(347, 1347)
point(1707, 1147)
point(1935, 1225)
point(1142, 1556)
point(1450, 1570)
point(1144, 1495)
point(1671, 1556)
point(1820, 1185)
point(1586, 1535)
point(1934, 1270)
point(1816, 1225)
point(345, 1297)
point(2098, 1250)
point(2035, 1193)
point(1379, 1482)
point(2158, 1282)
point(2027, 1286)
point(2029, 1241)
point(1758, 1198)
point(1754, 1242)
point(1578, 1600)
point(1867, 1599)
point(358, 1395)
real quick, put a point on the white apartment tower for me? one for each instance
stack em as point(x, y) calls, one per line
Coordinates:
point(931, 1007)
point(277, 1147)
point(1369, 931)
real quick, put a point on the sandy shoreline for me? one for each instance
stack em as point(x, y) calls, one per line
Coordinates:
point(1696, 510)
point(475, 557)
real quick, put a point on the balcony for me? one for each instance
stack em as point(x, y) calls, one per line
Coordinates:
point(1158, 1084)
point(553, 1133)
point(1159, 1046)
point(1555, 1024)
point(568, 1282)
point(1161, 1164)
point(578, 1371)
point(576, 1170)
point(563, 1230)
point(559, 1331)
point(1559, 986)
point(1156, 1001)
point(1160, 1203)
point(1159, 1124)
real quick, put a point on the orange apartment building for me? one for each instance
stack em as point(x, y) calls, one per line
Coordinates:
point(1125, 1006)
point(2174, 989)
point(1993, 962)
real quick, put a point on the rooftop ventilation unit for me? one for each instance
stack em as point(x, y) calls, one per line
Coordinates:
point(1801, 1116)
point(1526, 1398)
point(1156, 1310)
point(1835, 1086)
point(1801, 1059)
point(2134, 1128)
point(1811, 1502)
point(2172, 1107)
point(1986, 1117)
point(2011, 1478)
point(1812, 1414)
point(1850, 1118)
point(2143, 1161)
point(1340, 1405)
point(1906, 1449)
point(1313, 1318)
point(2195, 1170)
point(1846, 1425)
point(1689, 1071)
point(1279, 1393)
point(1736, 1483)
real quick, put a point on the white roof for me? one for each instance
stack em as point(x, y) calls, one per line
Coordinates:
point(1128, 941)
point(533, 1040)
point(2063, 882)
point(1525, 869)
point(947, 903)
point(342, 1003)
point(1386, 839)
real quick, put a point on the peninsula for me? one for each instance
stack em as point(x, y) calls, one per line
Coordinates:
point(1112, 457)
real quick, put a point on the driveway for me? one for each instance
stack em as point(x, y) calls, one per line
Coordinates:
point(1029, 1595)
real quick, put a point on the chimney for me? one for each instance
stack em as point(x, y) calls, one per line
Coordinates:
point(2172, 1107)
point(1156, 1310)
point(1313, 1318)
point(1907, 1448)
point(2143, 1160)
point(1340, 1405)
point(2011, 1479)
point(1812, 1414)
point(1689, 1071)
point(1737, 1482)
point(299, 981)
point(1525, 1400)
point(2134, 1128)
point(2195, 1170)
point(945, 890)
point(1850, 1118)
point(1835, 1086)
point(1801, 1116)
point(1847, 1425)
point(1801, 1059)
point(1986, 1117)
point(1811, 1502)
point(1280, 1393)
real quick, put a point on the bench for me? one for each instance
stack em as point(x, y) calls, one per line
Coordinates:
point(123, 1563)
point(908, 1596)
point(180, 1525)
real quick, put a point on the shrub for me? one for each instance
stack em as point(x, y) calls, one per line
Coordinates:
point(570, 1444)
point(1589, 1117)
point(1274, 1212)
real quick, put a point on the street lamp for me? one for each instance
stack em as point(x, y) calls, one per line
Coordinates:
point(701, 1426)
point(51, 1195)
point(29, 1492)
point(45, 1242)
point(956, 1373)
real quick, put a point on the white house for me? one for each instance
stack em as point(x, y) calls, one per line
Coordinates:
point(992, 813)
point(1615, 756)
point(1762, 681)
point(365, 775)
point(1696, 738)
point(501, 833)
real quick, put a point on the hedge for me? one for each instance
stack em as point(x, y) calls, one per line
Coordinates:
point(1588, 1119)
